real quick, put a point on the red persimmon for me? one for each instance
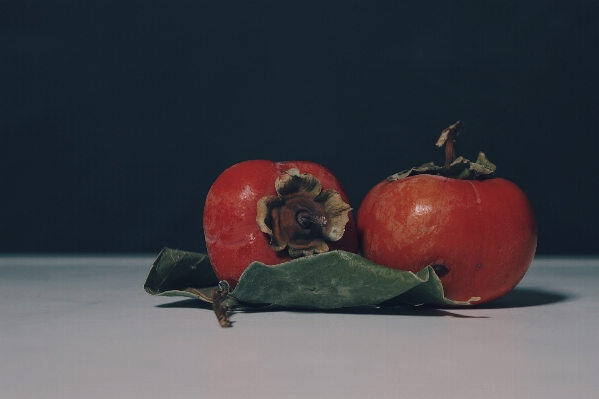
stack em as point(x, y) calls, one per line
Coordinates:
point(270, 212)
point(479, 235)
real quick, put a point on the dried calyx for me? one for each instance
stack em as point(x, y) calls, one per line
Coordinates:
point(460, 168)
point(303, 215)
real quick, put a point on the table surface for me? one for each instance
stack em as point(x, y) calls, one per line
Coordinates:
point(83, 327)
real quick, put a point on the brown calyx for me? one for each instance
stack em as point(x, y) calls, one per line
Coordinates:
point(302, 216)
point(455, 168)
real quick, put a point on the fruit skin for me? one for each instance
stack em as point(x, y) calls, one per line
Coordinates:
point(483, 231)
point(233, 238)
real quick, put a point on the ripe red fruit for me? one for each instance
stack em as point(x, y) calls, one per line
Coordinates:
point(479, 235)
point(294, 219)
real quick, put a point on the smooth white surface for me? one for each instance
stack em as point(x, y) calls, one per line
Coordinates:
point(82, 327)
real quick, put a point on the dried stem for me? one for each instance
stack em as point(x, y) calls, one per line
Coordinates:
point(306, 219)
point(221, 310)
point(447, 138)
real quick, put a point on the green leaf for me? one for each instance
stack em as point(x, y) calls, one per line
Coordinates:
point(330, 280)
point(181, 273)
point(336, 279)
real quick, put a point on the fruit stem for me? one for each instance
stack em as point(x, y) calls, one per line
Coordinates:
point(305, 219)
point(220, 310)
point(447, 138)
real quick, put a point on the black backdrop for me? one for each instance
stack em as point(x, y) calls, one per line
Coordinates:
point(116, 117)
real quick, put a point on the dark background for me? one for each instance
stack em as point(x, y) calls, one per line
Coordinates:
point(116, 117)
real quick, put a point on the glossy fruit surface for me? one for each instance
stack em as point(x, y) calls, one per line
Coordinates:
point(480, 235)
point(233, 237)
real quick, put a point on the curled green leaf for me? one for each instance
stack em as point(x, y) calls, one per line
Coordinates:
point(334, 279)
point(181, 273)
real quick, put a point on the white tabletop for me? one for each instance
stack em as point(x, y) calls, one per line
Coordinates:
point(83, 327)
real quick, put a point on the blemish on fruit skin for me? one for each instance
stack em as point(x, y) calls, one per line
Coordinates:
point(475, 191)
point(479, 266)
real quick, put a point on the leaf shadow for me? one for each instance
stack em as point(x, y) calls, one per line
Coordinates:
point(406, 310)
point(358, 310)
point(187, 304)
point(517, 298)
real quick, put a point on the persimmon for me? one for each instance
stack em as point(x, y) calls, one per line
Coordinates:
point(272, 212)
point(478, 231)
